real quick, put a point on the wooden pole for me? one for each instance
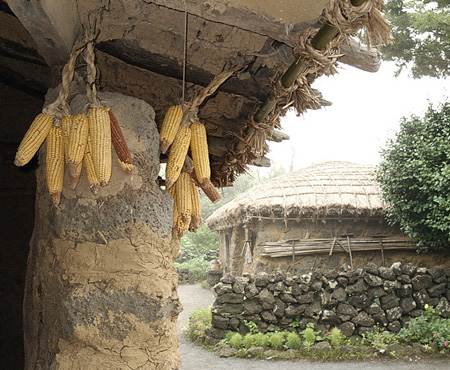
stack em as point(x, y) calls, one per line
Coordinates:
point(325, 34)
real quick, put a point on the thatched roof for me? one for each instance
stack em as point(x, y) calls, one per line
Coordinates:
point(325, 190)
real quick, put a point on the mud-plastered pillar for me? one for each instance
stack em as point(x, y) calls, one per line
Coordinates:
point(101, 287)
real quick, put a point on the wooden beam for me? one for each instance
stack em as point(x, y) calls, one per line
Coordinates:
point(53, 24)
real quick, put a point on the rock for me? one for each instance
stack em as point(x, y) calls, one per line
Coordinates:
point(269, 317)
point(390, 286)
point(437, 273)
point(397, 268)
point(239, 284)
point(332, 284)
point(321, 346)
point(373, 308)
point(279, 287)
point(271, 353)
point(251, 290)
point(252, 306)
point(271, 278)
point(287, 297)
point(421, 297)
point(443, 308)
point(339, 294)
point(220, 322)
point(279, 308)
point(325, 298)
point(404, 279)
point(420, 282)
point(405, 290)
point(386, 273)
point(347, 328)
point(389, 301)
point(408, 304)
point(355, 275)
point(380, 318)
point(211, 341)
point(226, 352)
point(261, 279)
point(359, 301)
point(395, 348)
point(289, 281)
point(216, 332)
point(267, 299)
point(409, 269)
point(314, 310)
point(416, 313)
point(255, 351)
point(305, 298)
point(222, 288)
point(371, 268)
point(316, 285)
point(436, 290)
point(227, 279)
point(229, 308)
point(330, 318)
point(295, 310)
point(376, 292)
point(234, 323)
point(305, 279)
point(279, 276)
point(418, 348)
point(394, 326)
point(393, 314)
point(342, 281)
point(305, 321)
point(359, 287)
point(330, 274)
point(345, 311)
point(230, 298)
point(373, 280)
point(363, 319)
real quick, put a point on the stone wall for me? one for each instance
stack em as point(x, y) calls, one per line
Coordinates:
point(354, 301)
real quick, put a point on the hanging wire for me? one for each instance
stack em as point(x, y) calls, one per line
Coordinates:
point(184, 50)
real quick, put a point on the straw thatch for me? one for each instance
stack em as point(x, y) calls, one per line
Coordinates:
point(326, 190)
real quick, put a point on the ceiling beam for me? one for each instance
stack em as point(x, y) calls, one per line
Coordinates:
point(53, 24)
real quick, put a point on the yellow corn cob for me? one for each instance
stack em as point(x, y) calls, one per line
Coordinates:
point(90, 169)
point(196, 215)
point(100, 134)
point(77, 174)
point(183, 197)
point(170, 126)
point(181, 227)
point(55, 163)
point(33, 139)
point(177, 155)
point(199, 151)
point(78, 136)
point(66, 125)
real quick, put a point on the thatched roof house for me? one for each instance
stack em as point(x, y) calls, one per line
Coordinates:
point(324, 215)
point(330, 189)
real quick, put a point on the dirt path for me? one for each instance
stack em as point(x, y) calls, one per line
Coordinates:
point(196, 358)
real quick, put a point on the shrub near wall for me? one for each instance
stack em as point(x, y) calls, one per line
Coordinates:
point(353, 301)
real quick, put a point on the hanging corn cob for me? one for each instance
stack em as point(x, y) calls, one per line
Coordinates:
point(55, 163)
point(66, 126)
point(183, 197)
point(100, 134)
point(33, 139)
point(78, 136)
point(90, 169)
point(199, 151)
point(120, 145)
point(177, 155)
point(196, 208)
point(169, 127)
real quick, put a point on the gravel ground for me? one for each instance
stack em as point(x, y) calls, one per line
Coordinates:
point(196, 358)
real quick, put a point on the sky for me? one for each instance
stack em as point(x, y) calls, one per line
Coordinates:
point(366, 111)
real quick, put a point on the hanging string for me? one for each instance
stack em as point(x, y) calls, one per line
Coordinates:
point(184, 50)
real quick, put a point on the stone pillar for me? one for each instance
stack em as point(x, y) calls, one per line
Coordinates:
point(101, 287)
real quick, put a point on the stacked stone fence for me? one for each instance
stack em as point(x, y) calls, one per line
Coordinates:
point(354, 301)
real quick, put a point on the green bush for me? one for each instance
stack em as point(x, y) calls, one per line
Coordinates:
point(276, 340)
point(380, 339)
point(309, 335)
point(235, 341)
point(414, 177)
point(336, 337)
point(199, 322)
point(261, 340)
point(427, 329)
point(293, 341)
point(248, 340)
